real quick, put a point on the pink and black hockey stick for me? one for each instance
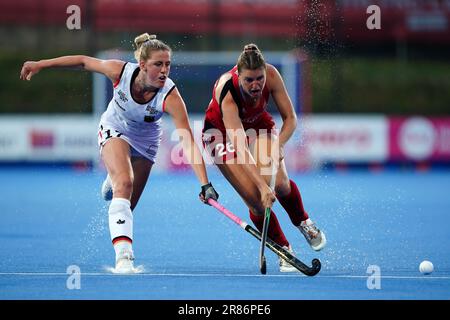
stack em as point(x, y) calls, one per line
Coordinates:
point(276, 248)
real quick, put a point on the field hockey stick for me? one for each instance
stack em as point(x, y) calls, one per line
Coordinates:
point(262, 258)
point(276, 248)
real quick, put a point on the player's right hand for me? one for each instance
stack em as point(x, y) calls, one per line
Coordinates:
point(29, 69)
point(208, 192)
point(267, 197)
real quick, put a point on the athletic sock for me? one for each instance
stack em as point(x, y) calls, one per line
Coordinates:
point(293, 205)
point(120, 221)
point(274, 231)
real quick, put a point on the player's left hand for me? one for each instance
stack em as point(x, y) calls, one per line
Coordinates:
point(208, 192)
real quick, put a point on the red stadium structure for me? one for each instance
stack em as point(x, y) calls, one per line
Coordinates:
point(407, 20)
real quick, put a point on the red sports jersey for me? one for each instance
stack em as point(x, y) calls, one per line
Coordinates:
point(252, 117)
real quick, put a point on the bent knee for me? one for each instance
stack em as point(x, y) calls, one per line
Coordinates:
point(257, 209)
point(123, 184)
point(283, 188)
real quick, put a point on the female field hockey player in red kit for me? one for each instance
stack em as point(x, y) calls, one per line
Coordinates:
point(240, 136)
point(130, 131)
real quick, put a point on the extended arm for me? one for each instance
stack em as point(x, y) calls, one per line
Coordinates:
point(176, 107)
point(109, 68)
point(237, 135)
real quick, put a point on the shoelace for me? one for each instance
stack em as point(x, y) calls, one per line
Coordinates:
point(311, 230)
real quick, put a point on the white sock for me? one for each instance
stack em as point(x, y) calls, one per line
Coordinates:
point(120, 220)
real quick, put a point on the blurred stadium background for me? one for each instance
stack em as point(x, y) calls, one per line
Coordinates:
point(365, 97)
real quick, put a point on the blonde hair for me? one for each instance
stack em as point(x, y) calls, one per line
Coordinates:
point(251, 58)
point(146, 44)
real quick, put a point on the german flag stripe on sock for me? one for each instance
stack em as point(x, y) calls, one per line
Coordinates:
point(121, 238)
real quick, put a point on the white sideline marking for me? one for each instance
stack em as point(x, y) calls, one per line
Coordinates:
point(199, 275)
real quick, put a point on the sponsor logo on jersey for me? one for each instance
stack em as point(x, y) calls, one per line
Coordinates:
point(252, 119)
point(122, 96)
point(151, 110)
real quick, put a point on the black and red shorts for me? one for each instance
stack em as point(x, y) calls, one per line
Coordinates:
point(218, 145)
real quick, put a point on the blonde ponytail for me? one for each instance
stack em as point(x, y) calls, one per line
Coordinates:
point(146, 44)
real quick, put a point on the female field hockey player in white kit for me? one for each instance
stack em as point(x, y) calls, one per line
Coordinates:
point(130, 131)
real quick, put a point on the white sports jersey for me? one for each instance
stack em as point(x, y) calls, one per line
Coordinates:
point(138, 124)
